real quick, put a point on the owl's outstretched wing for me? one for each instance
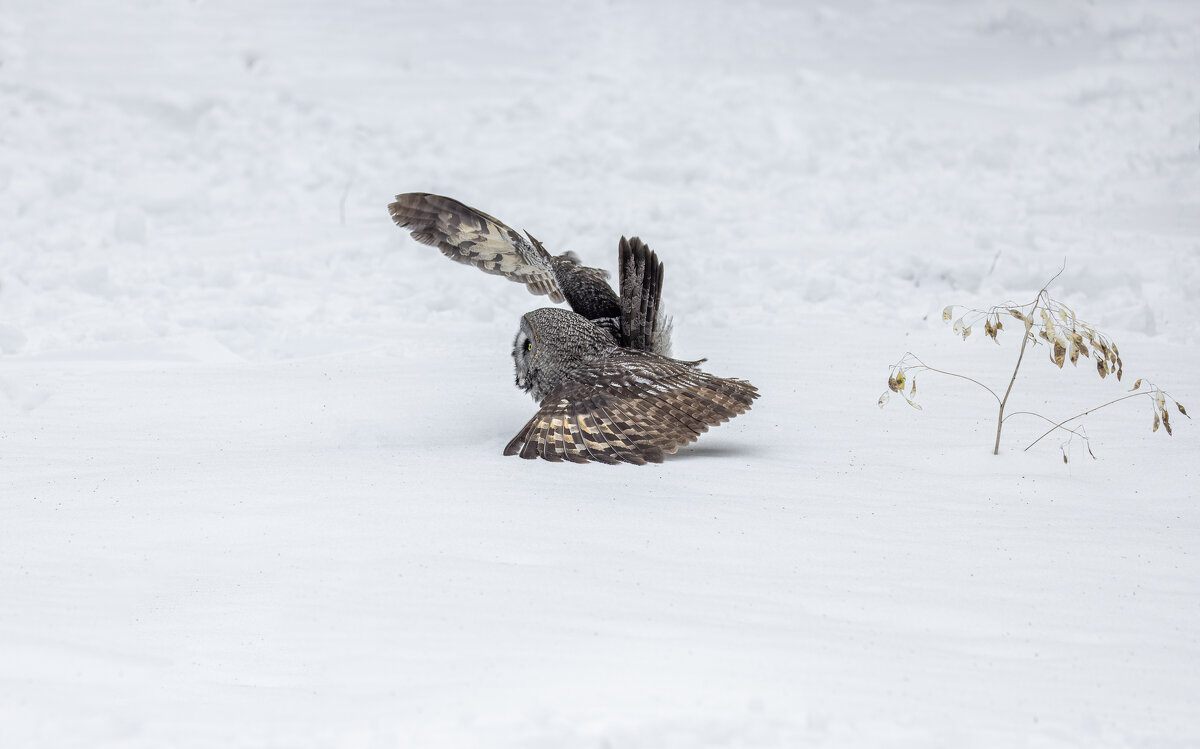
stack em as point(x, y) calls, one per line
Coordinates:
point(631, 407)
point(469, 236)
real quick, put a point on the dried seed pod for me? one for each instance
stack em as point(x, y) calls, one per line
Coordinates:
point(1074, 354)
point(948, 313)
point(1137, 384)
point(1166, 419)
point(1017, 314)
point(913, 390)
point(1102, 368)
point(1060, 354)
point(1182, 410)
point(1155, 429)
point(966, 332)
point(883, 399)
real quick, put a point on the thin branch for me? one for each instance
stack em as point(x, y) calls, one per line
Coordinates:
point(1059, 425)
point(953, 374)
point(1046, 419)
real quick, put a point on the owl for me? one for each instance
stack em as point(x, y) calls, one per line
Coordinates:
point(601, 373)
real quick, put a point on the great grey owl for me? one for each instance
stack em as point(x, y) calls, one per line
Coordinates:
point(606, 388)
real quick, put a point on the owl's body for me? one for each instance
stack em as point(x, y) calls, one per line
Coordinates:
point(600, 401)
point(601, 374)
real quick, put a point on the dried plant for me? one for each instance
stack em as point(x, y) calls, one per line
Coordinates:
point(1067, 338)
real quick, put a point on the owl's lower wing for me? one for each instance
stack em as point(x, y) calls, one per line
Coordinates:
point(469, 236)
point(630, 407)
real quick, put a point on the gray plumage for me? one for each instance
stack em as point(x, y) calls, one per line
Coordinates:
point(599, 401)
point(470, 236)
point(601, 374)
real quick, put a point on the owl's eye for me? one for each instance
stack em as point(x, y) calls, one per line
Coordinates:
point(529, 345)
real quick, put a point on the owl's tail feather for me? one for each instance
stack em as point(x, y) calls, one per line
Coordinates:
point(642, 323)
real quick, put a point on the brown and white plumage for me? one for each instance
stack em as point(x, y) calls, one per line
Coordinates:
point(467, 235)
point(601, 402)
point(606, 388)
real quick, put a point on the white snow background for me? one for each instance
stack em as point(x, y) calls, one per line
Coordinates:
point(251, 484)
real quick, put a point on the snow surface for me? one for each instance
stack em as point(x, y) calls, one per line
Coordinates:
point(251, 489)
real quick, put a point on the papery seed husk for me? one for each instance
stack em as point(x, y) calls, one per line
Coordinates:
point(1102, 368)
point(1084, 350)
point(913, 391)
point(883, 399)
point(892, 384)
point(1064, 456)
point(948, 313)
point(1182, 410)
point(1137, 384)
point(1017, 314)
point(966, 332)
point(1155, 429)
point(1060, 354)
point(1167, 423)
point(1120, 374)
point(1074, 353)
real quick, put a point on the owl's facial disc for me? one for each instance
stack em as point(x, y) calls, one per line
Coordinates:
point(522, 356)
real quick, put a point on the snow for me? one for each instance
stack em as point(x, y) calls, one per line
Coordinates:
point(251, 489)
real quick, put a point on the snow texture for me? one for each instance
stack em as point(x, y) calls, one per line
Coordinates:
point(251, 489)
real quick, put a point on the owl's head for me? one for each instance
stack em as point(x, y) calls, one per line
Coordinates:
point(550, 344)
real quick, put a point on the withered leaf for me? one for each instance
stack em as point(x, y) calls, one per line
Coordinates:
point(1060, 354)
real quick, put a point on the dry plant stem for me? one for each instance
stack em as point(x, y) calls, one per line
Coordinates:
point(1020, 356)
point(1047, 419)
point(1059, 425)
point(953, 374)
